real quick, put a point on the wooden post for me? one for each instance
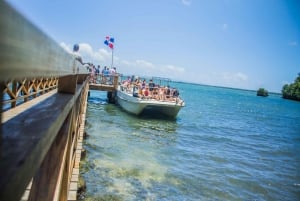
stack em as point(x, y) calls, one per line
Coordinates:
point(116, 79)
point(67, 84)
point(14, 91)
point(27, 90)
point(81, 78)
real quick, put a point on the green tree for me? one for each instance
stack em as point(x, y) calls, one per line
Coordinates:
point(292, 91)
point(262, 92)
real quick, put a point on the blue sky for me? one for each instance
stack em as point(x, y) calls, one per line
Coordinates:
point(233, 43)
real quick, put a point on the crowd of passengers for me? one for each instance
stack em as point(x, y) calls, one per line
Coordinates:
point(150, 90)
point(103, 76)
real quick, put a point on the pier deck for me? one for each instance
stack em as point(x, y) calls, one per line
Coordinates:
point(43, 91)
point(103, 87)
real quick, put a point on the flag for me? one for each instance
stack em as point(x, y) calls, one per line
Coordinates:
point(109, 42)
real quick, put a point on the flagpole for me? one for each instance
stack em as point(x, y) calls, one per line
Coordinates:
point(110, 43)
point(112, 57)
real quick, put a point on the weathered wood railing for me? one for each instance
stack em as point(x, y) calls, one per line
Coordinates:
point(19, 91)
point(38, 144)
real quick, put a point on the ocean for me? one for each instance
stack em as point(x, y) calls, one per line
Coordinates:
point(225, 144)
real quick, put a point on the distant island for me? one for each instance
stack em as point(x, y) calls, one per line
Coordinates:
point(292, 91)
point(262, 92)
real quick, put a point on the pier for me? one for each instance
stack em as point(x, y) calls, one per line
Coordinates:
point(44, 92)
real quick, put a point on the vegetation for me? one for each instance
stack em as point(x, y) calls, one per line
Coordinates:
point(262, 92)
point(292, 91)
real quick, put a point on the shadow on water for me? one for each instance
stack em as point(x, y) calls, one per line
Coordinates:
point(150, 114)
point(97, 100)
point(105, 198)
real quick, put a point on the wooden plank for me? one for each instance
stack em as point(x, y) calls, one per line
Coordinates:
point(102, 87)
point(27, 138)
point(9, 114)
point(116, 80)
point(25, 195)
point(45, 181)
point(72, 195)
point(27, 52)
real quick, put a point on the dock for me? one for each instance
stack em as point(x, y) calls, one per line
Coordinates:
point(44, 92)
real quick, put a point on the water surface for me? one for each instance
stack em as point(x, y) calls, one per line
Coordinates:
point(226, 144)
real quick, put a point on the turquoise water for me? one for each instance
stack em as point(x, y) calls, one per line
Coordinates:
point(226, 144)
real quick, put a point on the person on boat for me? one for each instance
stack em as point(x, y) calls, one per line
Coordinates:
point(151, 86)
point(136, 88)
point(136, 83)
point(161, 93)
point(127, 84)
point(175, 93)
point(143, 84)
point(154, 93)
point(145, 92)
point(168, 92)
point(135, 92)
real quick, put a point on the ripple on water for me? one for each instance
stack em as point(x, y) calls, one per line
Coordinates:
point(233, 148)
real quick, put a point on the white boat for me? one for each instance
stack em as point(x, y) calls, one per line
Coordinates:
point(139, 104)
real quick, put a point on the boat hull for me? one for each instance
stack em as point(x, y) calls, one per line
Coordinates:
point(130, 104)
point(137, 106)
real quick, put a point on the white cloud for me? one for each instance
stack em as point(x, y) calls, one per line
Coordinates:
point(225, 26)
point(171, 69)
point(144, 64)
point(146, 68)
point(88, 54)
point(186, 2)
point(142, 67)
point(125, 62)
point(293, 43)
point(139, 67)
point(66, 47)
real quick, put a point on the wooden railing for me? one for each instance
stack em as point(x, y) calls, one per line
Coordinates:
point(38, 144)
point(19, 91)
point(105, 79)
point(104, 83)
